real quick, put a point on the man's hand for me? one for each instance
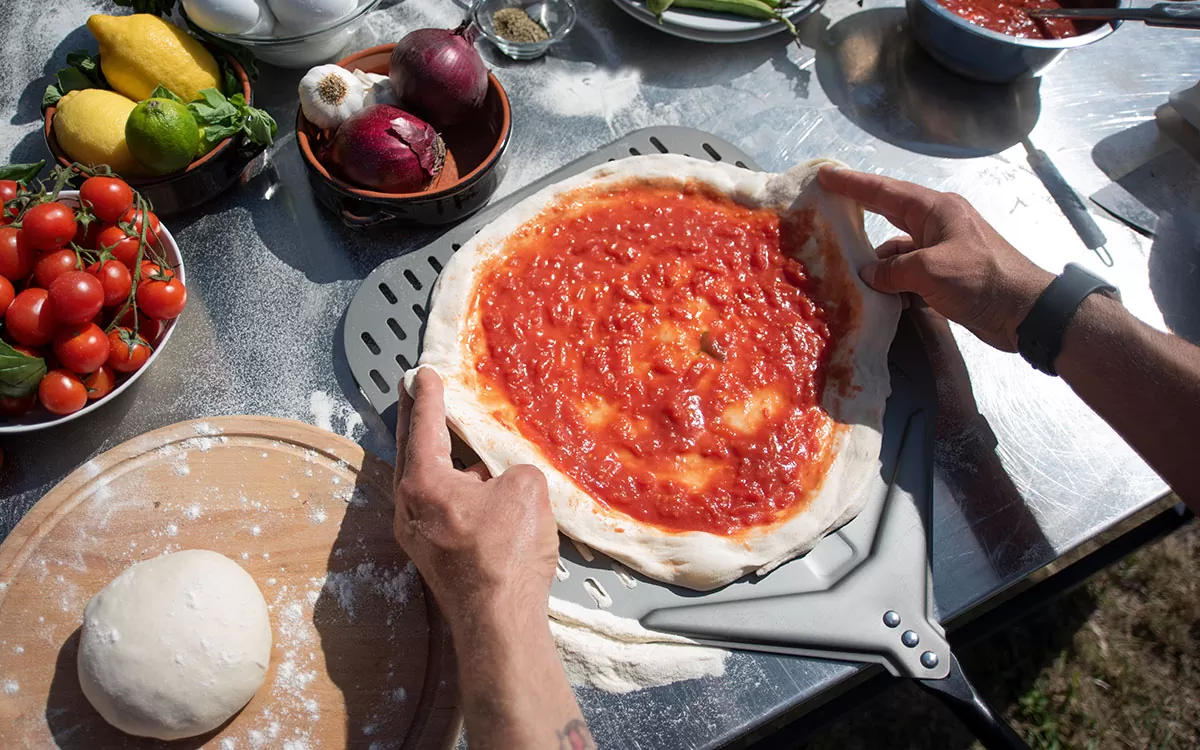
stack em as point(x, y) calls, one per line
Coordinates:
point(951, 257)
point(485, 546)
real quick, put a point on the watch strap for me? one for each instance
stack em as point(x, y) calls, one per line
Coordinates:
point(1040, 335)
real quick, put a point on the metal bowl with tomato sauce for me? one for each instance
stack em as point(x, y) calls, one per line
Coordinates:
point(40, 419)
point(203, 179)
point(468, 179)
point(990, 55)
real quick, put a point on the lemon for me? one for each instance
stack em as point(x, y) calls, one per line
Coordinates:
point(90, 127)
point(162, 135)
point(139, 52)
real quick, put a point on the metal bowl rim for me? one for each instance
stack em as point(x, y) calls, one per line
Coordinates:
point(1050, 44)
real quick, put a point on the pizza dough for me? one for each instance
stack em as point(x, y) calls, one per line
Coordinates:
point(833, 252)
point(175, 646)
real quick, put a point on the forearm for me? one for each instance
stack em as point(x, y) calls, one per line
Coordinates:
point(1143, 382)
point(514, 691)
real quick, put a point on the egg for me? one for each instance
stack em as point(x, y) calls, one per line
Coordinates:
point(231, 16)
point(305, 16)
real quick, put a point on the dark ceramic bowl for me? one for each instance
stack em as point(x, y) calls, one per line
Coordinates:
point(202, 180)
point(468, 179)
point(985, 55)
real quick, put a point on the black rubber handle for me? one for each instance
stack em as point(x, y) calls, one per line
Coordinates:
point(1182, 16)
point(972, 710)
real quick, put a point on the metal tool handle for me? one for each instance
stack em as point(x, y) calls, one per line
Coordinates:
point(1176, 15)
point(1068, 202)
point(960, 696)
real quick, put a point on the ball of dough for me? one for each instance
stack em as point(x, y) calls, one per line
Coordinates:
point(175, 646)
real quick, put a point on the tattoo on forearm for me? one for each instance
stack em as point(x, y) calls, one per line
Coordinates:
point(575, 736)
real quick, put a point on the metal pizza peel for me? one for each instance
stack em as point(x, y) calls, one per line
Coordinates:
point(864, 593)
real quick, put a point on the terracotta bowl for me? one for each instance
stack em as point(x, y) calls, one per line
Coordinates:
point(468, 179)
point(203, 179)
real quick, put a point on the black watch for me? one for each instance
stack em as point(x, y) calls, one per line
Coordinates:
point(1040, 335)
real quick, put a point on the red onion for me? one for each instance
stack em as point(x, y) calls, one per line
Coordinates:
point(438, 74)
point(387, 149)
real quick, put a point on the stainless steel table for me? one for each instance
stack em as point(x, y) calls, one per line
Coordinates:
point(1024, 471)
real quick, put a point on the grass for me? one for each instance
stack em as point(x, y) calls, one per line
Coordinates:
point(1113, 664)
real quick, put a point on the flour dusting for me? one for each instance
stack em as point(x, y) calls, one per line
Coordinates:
point(335, 415)
point(11, 687)
point(617, 655)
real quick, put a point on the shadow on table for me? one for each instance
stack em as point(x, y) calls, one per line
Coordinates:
point(384, 642)
point(873, 70)
point(75, 725)
point(30, 458)
point(1162, 177)
point(612, 40)
point(993, 507)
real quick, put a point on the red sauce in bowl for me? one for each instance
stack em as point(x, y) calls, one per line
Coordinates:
point(1012, 17)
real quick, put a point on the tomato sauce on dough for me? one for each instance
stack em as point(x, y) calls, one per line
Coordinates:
point(664, 352)
point(1011, 17)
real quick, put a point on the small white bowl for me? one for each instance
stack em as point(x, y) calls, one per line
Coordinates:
point(40, 419)
point(300, 50)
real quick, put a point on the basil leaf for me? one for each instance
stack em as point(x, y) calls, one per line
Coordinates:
point(162, 92)
point(260, 127)
point(72, 79)
point(229, 81)
point(89, 66)
point(19, 374)
point(21, 172)
point(211, 108)
point(51, 97)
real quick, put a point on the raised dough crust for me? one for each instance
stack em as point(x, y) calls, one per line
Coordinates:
point(694, 559)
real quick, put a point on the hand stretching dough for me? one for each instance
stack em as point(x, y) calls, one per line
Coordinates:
point(175, 646)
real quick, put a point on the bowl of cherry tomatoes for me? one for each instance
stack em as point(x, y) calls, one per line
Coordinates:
point(91, 284)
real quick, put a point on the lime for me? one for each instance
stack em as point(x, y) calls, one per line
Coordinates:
point(162, 135)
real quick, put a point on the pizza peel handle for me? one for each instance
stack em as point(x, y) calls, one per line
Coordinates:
point(969, 707)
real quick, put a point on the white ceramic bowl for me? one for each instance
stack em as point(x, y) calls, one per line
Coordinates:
point(302, 50)
point(40, 419)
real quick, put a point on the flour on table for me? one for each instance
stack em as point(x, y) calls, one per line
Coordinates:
point(348, 586)
point(335, 415)
point(617, 655)
point(193, 512)
point(11, 687)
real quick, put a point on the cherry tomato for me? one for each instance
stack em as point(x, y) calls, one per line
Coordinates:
point(87, 234)
point(30, 320)
point(16, 256)
point(148, 328)
point(28, 351)
point(127, 352)
point(8, 191)
point(108, 197)
point(76, 297)
point(81, 348)
point(121, 245)
point(62, 392)
point(48, 226)
point(15, 406)
point(100, 383)
point(52, 265)
point(115, 278)
point(134, 217)
point(6, 295)
point(162, 300)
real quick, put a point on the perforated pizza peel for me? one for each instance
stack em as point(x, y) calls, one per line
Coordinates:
point(864, 593)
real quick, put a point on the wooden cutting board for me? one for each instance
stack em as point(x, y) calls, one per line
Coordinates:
point(361, 656)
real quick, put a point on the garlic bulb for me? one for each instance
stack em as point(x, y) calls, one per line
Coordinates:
point(329, 94)
point(377, 89)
